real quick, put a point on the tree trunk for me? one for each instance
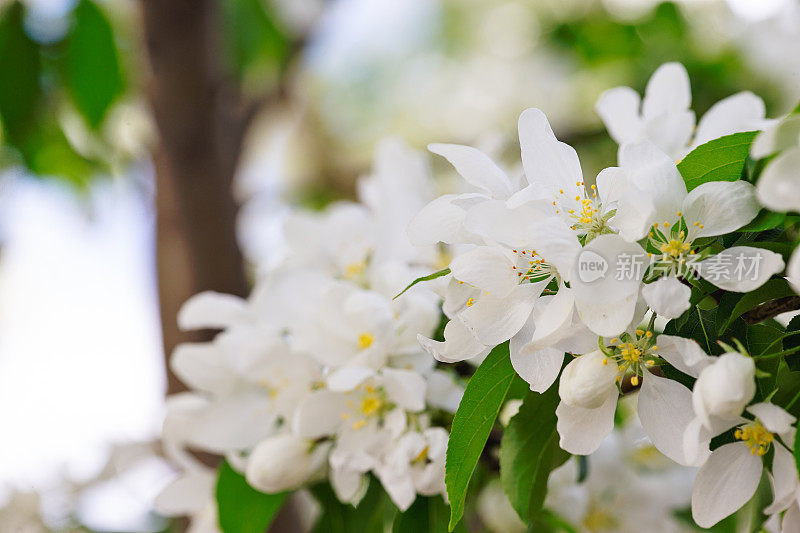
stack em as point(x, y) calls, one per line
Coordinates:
point(201, 122)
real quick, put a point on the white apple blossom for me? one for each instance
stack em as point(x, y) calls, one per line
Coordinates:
point(664, 115)
point(655, 206)
point(285, 462)
point(730, 476)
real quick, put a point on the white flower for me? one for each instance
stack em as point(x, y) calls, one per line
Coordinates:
point(586, 380)
point(414, 465)
point(664, 116)
point(589, 396)
point(285, 462)
point(730, 476)
point(655, 205)
point(724, 388)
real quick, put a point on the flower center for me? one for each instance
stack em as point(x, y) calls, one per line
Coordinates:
point(755, 436)
point(598, 519)
point(365, 340)
point(531, 267)
point(632, 354)
point(354, 270)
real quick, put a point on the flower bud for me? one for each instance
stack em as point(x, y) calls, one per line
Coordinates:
point(284, 462)
point(724, 388)
point(585, 382)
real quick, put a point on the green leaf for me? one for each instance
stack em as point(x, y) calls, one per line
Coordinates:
point(771, 290)
point(19, 91)
point(373, 514)
point(426, 515)
point(258, 46)
point(722, 159)
point(429, 277)
point(93, 75)
point(241, 508)
point(793, 341)
point(527, 456)
point(765, 220)
point(483, 398)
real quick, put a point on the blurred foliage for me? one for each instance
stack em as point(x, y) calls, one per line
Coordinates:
point(638, 48)
point(79, 72)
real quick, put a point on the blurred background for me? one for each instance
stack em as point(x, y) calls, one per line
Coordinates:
point(149, 150)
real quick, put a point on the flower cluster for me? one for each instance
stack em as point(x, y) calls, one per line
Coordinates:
point(318, 374)
point(538, 263)
point(590, 290)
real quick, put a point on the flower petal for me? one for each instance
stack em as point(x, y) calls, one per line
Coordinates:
point(775, 419)
point(495, 320)
point(582, 430)
point(739, 112)
point(460, 343)
point(619, 109)
point(784, 480)
point(496, 222)
point(475, 167)
point(539, 368)
point(348, 377)
point(405, 388)
point(548, 162)
point(439, 221)
point(741, 268)
point(319, 414)
point(719, 207)
point(212, 310)
point(488, 268)
point(665, 410)
point(778, 188)
point(668, 91)
point(725, 483)
point(667, 297)
point(777, 137)
point(684, 354)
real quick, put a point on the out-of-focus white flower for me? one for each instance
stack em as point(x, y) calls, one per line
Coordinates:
point(414, 466)
point(664, 116)
point(285, 462)
point(496, 511)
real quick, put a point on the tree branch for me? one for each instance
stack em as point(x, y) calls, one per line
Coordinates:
point(772, 309)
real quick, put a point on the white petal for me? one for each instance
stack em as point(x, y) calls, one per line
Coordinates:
point(777, 137)
point(556, 242)
point(319, 414)
point(775, 419)
point(741, 268)
point(582, 430)
point(696, 442)
point(611, 185)
point(725, 483)
point(234, 423)
point(404, 388)
point(619, 109)
point(671, 132)
point(667, 297)
point(443, 391)
point(460, 343)
point(654, 174)
point(496, 222)
point(540, 369)
point(665, 410)
point(668, 91)
point(495, 320)
point(791, 520)
point(348, 378)
point(684, 354)
point(475, 167)
point(739, 112)
point(548, 162)
point(203, 366)
point(793, 271)
point(720, 207)
point(439, 221)
point(784, 480)
point(606, 301)
point(555, 317)
point(778, 188)
point(186, 495)
point(212, 310)
point(488, 268)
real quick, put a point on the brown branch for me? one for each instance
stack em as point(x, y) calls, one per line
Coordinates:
point(772, 309)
